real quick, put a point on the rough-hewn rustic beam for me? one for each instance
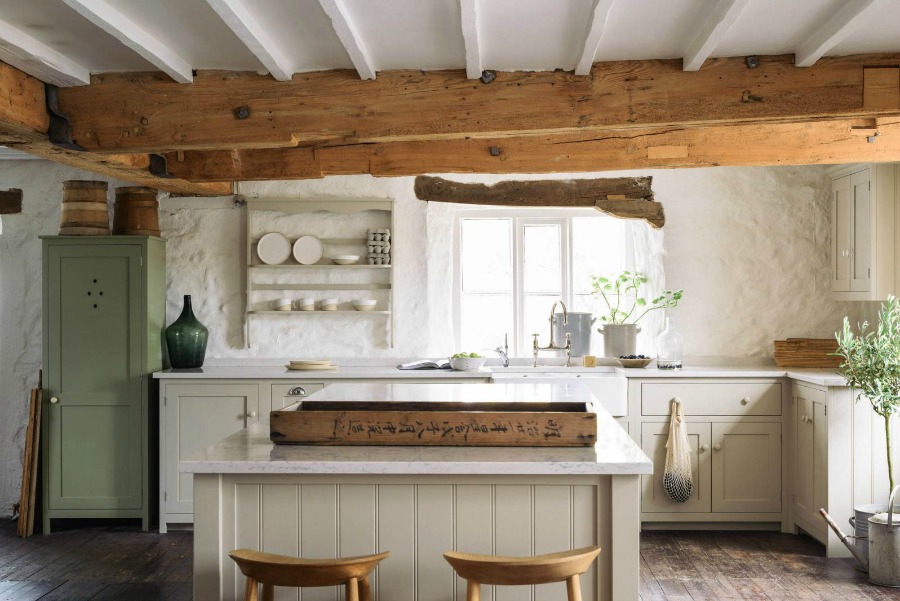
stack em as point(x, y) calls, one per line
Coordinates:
point(23, 126)
point(626, 197)
point(150, 113)
point(10, 201)
point(824, 142)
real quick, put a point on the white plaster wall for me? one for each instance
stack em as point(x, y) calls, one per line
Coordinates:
point(748, 245)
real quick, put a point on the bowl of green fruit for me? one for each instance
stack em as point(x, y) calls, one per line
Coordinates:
point(467, 361)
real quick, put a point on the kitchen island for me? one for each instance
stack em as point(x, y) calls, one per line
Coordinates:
point(417, 502)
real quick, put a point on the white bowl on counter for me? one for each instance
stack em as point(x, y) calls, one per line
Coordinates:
point(364, 305)
point(468, 363)
point(345, 259)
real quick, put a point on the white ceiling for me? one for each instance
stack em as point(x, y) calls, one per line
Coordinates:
point(528, 35)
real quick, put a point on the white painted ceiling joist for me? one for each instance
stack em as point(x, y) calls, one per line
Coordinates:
point(349, 36)
point(468, 13)
point(27, 54)
point(110, 20)
point(838, 27)
point(235, 14)
point(599, 16)
point(720, 20)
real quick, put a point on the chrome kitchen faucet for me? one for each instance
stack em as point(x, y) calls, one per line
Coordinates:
point(551, 346)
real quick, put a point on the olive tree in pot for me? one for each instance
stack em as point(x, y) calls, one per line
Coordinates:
point(625, 307)
point(871, 365)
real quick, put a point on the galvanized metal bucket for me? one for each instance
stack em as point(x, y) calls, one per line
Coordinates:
point(860, 524)
point(884, 546)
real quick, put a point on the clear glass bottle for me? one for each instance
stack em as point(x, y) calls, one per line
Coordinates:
point(670, 347)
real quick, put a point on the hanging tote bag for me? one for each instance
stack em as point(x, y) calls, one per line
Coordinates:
point(678, 479)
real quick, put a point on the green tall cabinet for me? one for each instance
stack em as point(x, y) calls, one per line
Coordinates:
point(104, 315)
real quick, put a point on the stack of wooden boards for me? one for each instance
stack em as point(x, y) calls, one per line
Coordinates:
point(807, 352)
point(30, 462)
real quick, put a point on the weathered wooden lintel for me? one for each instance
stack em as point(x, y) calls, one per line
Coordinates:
point(625, 197)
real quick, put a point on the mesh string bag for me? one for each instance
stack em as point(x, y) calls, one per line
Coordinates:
point(678, 479)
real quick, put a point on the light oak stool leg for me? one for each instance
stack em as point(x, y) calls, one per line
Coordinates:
point(268, 593)
point(473, 591)
point(365, 591)
point(251, 591)
point(352, 590)
point(573, 588)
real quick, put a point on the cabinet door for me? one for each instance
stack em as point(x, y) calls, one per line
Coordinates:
point(94, 336)
point(746, 467)
point(802, 497)
point(819, 456)
point(841, 218)
point(860, 249)
point(653, 497)
point(196, 416)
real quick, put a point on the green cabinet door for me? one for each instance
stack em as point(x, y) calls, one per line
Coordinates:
point(94, 385)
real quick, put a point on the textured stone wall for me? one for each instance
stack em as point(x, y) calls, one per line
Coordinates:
point(748, 245)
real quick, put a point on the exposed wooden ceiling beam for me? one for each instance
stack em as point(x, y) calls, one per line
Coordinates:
point(113, 22)
point(235, 14)
point(851, 14)
point(149, 113)
point(349, 37)
point(720, 20)
point(25, 53)
point(468, 14)
point(23, 126)
point(599, 16)
point(821, 142)
point(625, 197)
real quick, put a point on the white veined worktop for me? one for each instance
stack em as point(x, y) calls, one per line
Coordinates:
point(418, 502)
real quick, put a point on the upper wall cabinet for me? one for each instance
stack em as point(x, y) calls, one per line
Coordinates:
point(865, 231)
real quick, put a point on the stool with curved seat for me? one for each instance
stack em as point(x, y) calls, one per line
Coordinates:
point(273, 570)
point(539, 569)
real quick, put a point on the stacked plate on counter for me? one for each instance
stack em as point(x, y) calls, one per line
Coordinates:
point(311, 365)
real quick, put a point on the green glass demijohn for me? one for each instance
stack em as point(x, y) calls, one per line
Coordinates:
point(186, 339)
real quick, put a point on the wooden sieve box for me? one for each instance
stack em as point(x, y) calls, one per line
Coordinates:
point(436, 423)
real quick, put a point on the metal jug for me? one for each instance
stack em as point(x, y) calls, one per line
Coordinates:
point(884, 546)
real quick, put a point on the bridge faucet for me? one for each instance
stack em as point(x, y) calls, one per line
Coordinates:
point(503, 351)
point(551, 346)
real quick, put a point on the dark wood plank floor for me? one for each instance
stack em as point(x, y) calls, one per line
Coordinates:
point(100, 563)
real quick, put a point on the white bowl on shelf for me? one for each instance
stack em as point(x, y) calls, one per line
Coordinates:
point(307, 304)
point(328, 304)
point(364, 305)
point(283, 304)
point(345, 259)
point(468, 363)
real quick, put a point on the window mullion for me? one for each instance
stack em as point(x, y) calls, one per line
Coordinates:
point(518, 286)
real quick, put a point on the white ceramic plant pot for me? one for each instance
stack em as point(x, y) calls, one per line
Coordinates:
point(619, 339)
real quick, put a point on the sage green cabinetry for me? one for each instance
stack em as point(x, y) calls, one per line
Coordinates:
point(103, 317)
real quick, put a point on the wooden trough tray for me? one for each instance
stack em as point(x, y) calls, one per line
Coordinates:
point(386, 423)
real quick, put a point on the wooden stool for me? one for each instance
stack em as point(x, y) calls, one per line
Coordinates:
point(280, 570)
point(540, 569)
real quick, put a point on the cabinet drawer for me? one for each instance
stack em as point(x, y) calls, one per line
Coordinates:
point(288, 394)
point(745, 398)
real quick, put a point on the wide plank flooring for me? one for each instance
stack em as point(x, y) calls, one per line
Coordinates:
point(99, 563)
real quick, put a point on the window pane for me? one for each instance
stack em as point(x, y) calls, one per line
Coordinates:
point(543, 272)
point(486, 259)
point(484, 319)
point(598, 248)
point(537, 319)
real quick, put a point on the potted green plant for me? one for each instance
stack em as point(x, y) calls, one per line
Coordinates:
point(625, 307)
point(871, 365)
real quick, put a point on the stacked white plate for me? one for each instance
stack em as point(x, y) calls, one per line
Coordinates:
point(311, 365)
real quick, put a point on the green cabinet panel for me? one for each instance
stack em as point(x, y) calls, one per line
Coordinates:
point(103, 309)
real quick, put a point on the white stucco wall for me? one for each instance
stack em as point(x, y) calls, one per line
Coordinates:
point(748, 245)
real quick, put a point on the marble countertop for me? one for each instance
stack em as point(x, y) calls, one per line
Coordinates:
point(823, 377)
point(251, 451)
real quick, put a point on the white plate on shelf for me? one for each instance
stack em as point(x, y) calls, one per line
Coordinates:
point(273, 248)
point(308, 250)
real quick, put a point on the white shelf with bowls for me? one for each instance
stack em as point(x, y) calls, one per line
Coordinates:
point(316, 275)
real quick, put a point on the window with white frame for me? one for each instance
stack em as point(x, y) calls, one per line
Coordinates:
point(514, 264)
